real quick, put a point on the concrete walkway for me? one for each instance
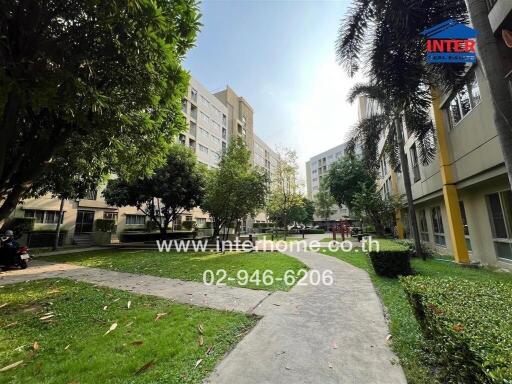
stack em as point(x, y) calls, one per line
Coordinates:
point(186, 292)
point(316, 334)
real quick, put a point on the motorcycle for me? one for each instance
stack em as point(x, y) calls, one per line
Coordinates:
point(11, 257)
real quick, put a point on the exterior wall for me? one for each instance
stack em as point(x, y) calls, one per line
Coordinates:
point(316, 168)
point(477, 164)
point(240, 116)
point(207, 120)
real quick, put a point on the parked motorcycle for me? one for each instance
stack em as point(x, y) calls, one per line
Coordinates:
point(14, 257)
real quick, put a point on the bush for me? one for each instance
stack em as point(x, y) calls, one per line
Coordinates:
point(467, 326)
point(392, 262)
point(19, 225)
point(45, 238)
point(132, 236)
point(105, 225)
point(369, 229)
point(188, 225)
point(409, 244)
point(313, 231)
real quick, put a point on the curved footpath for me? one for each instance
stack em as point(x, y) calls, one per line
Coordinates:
point(314, 334)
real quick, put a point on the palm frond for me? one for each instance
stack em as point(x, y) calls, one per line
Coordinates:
point(366, 136)
point(351, 35)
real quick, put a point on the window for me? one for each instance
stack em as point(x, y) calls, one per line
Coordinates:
point(205, 101)
point(203, 149)
point(135, 219)
point(500, 215)
point(193, 94)
point(465, 224)
point(193, 111)
point(184, 105)
point(224, 119)
point(91, 195)
point(110, 216)
point(224, 133)
point(193, 128)
point(423, 226)
point(205, 117)
point(44, 217)
point(414, 163)
point(201, 221)
point(383, 167)
point(437, 224)
point(465, 100)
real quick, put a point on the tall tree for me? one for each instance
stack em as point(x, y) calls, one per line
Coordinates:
point(324, 202)
point(396, 67)
point(285, 190)
point(494, 69)
point(235, 189)
point(176, 187)
point(106, 72)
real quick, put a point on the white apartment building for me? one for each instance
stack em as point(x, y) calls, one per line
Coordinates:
point(207, 119)
point(316, 169)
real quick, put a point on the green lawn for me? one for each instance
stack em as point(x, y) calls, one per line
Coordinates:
point(407, 339)
point(72, 345)
point(191, 266)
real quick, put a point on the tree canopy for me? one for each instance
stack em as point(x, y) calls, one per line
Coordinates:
point(176, 187)
point(235, 189)
point(103, 75)
point(324, 201)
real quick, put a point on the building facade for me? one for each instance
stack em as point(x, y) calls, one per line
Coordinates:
point(212, 119)
point(316, 169)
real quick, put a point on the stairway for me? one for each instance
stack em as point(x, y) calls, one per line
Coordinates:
point(83, 240)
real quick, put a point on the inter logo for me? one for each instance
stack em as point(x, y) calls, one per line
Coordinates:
point(450, 42)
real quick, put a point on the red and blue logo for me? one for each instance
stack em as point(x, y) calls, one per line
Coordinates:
point(450, 42)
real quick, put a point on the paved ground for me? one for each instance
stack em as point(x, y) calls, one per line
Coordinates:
point(314, 334)
point(187, 292)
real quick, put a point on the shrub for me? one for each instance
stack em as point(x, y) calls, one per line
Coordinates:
point(132, 236)
point(409, 244)
point(313, 231)
point(391, 261)
point(369, 229)
point(45, 238)
point(19, 225)
point(467, 326)
point(187, 225)
point(105, 225)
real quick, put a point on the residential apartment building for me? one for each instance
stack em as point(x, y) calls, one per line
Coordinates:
point(462, 198)
point(316, 169)
point(213, 119)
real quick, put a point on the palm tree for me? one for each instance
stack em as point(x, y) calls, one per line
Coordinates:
point(399, 78)
point(386, 124)
point(493, 67)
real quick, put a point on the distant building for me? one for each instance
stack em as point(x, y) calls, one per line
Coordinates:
point(316, 169)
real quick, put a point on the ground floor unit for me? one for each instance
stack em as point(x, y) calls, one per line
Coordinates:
point(485, 203)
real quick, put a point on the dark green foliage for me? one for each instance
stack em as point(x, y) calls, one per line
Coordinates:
point(391, 262)
point(467, 325)
point(101, 77)
point(19, 225)
point(45, 238)
point(312, 231)
point(105, 225)
point(134, 236)
point(188, 225)
point(174, 188)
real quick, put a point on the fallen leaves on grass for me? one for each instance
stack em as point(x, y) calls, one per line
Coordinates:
point(105, 307)
point(46, 317)
point(200, 329)
point(10, 325)
point(67, 346)
point(145, 367)
point(3, 305)
point(11, 366)
point(112, 327)
point(200, 341)
point(129, 304)
point(198, 362)
point(35, 346)
point(160, 315)
point(209, 351)
point(137, 342)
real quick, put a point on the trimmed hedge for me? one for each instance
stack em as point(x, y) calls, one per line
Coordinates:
point(467, 326)
point(105, 225)
point(391, 262)
point(45, 238)
point(130, 237)
point(19, 225)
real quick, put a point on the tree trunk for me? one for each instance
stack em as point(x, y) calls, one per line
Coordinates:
point(408, 191)
point(57, 232)
point(494, 69)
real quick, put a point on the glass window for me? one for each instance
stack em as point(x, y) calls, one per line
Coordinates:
point(474, 92)
point(135, 219)
point(500, 214)
point(437, 224)
point(498, 226)
point(465, 100)
point(110, 216)
point(465, 224)
point(465, 103)
point(423, 226)
point(414, 163)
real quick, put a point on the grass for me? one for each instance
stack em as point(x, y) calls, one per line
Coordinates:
point(191, 266)
point(407, 339)
point(72, 347)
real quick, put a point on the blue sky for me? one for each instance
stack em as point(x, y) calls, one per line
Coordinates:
point(279, 55)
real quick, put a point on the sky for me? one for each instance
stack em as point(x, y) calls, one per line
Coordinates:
point(280, 56)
